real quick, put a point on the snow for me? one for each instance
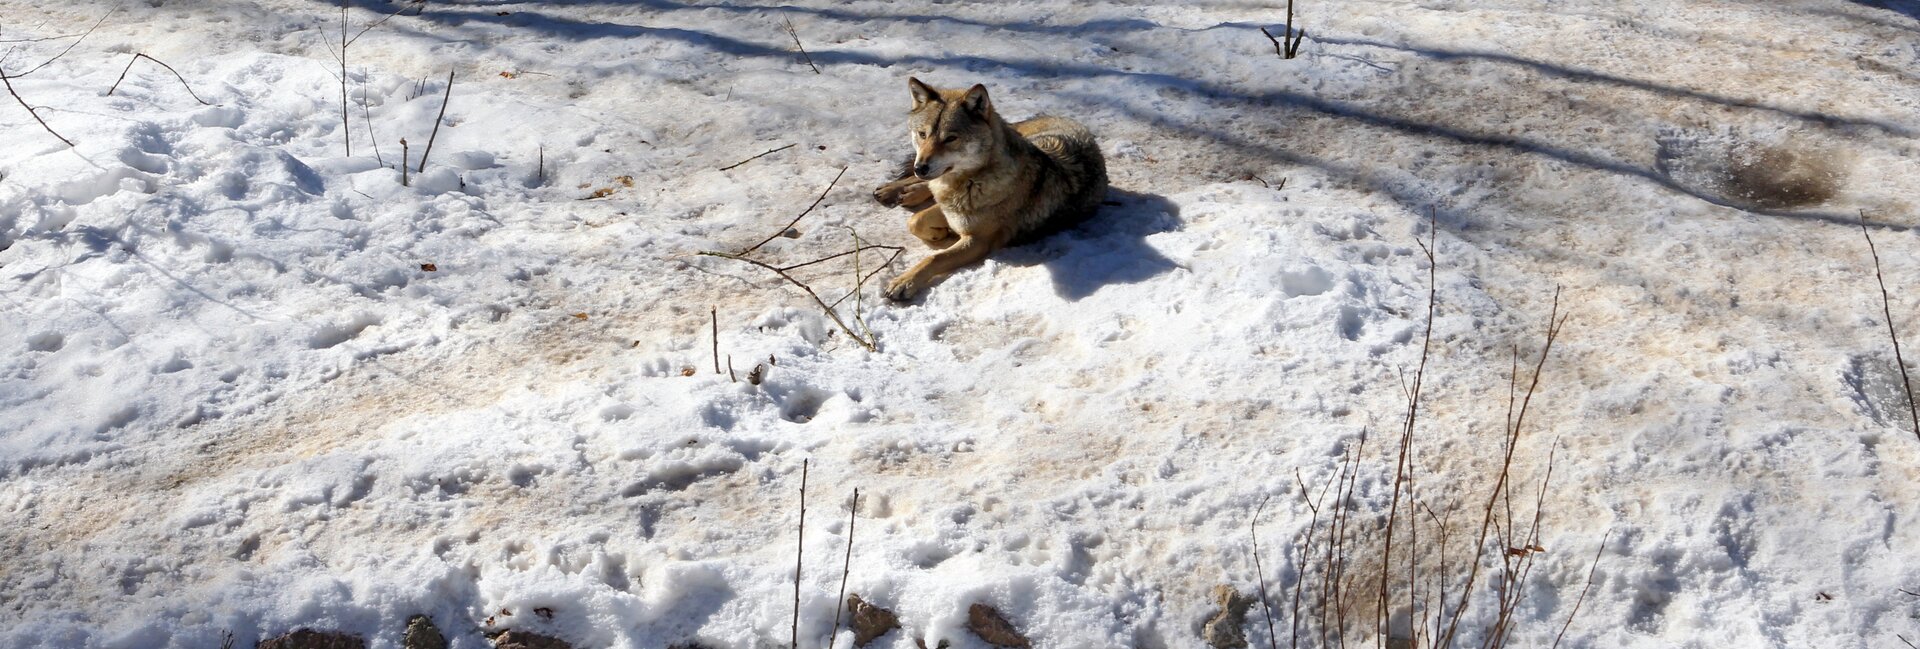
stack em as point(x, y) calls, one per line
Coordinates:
point(236, 398)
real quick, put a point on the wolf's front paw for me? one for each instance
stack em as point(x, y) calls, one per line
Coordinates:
point(902, 288)
point(887, 195)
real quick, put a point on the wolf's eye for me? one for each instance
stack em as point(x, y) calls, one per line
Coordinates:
point(949, 139)
point(923, 134)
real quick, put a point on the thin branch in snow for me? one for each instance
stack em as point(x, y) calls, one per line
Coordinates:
point(1253, 537)
point(1290, 46)
point(1886, 309)
point(803, 213)
point(736, 164)
point(1584, 589)
point(803, 286)
point(377, 23)
point(803, 48)
point(38, 40)
point(23, 104)
point(176, 74)
point(714, 312)
point(366, 115)
point(846, 566)
point(436, 122)
point(346, 126)
point(801, 531)
point(70, 46)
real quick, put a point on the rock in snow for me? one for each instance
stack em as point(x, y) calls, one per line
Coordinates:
point(310, 639)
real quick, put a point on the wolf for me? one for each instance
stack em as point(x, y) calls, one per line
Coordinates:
point(979, 183)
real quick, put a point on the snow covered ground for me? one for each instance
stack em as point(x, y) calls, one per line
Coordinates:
point(251, 383)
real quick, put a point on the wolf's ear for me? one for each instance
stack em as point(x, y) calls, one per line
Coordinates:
point(976, 100)
point(922, 93)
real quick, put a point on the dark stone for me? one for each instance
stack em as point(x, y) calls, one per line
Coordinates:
point(311, 639)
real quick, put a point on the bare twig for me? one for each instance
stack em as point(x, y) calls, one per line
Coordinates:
point(346, 128)
point(70, 46)
point(730, 376)
point(1904, 640)
point(801, 531)
point(1555, 322)
point(30, 111)
point(366, 115)
point(803, 48)
point(714, 312)
point(846, 566)
point(770, 152)
point(858, 283)
point(1293, 40)
point(542, 178)
point(1278, 49)
point(176, 74)
point(436, 123)
point(38, 40)
point(1289, 47)
point(1403, 477)
point(816, 297)
point(838, 255)
point(897, 251)
point(403, 162)
point(377, 23)
point(1886, 309)
point(1583, 590)
point(1253, 537)
point(803, 213)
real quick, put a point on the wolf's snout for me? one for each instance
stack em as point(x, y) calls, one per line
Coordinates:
point(922, 170)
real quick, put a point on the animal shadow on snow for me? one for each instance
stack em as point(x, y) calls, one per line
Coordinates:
point(1108, 248)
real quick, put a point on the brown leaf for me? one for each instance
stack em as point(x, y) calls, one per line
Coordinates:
point(429, 267)
point(687, 371)
point(579, 316)
point(507, 74)
point(624, 180)
point(602, 192)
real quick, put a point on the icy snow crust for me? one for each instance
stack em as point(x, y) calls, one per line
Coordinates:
point(234, 400)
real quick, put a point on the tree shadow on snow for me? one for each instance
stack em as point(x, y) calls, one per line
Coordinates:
point(1908, 8)
point(1278, 107)
point(1108, 248)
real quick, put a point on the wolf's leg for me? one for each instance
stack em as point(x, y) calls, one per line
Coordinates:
point(931, 226)
point(906, 191)
point(968, 250)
